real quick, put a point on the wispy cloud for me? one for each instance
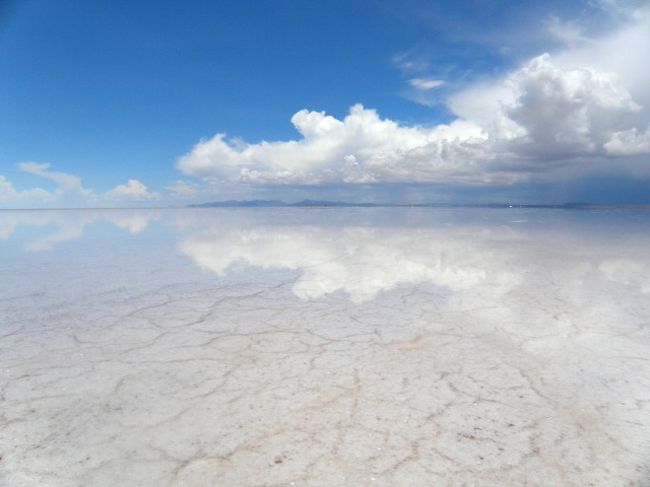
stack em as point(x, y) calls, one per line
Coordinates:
point(426, 84)
point(182, 189)
point(569, 32)
point(69, 188)
point(66, 183)
point(410, 62)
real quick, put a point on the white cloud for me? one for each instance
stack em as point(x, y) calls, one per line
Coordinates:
point(182, 189)
point(8, 193)
point(66, 183)
point(361, 148)
point(546, 113)
point(426, 84)
point(132, 190)
point(560, 108)
point(622, 52)
point(540, 114)
point(69, 190)
point(410, 62)
point(568, 109)
point(566, 31)
point(629, 142)
point(563, 112)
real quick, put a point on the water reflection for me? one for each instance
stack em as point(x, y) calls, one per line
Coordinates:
point(11, 220)
point(55, 227)
point(488, 339)
point(556, 271)
point(66, 229)
point(365, 253)
point(361, 261)
point(134, 221)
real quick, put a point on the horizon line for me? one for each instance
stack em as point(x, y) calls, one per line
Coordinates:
point(342, 204)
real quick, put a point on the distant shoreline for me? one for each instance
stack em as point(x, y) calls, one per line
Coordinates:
point(341, 204)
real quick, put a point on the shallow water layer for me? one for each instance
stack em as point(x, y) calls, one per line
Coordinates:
point(324, 347)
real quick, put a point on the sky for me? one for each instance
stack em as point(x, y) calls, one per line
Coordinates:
point(156, 103)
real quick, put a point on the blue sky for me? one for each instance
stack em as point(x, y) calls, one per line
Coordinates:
point(118, 103)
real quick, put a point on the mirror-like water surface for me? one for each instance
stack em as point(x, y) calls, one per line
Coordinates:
point(324, 347)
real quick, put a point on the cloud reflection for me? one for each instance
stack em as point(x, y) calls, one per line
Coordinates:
point(55, 227)
point(479, 263)
point(67, 229)
point(132, 221)
point(359, 261)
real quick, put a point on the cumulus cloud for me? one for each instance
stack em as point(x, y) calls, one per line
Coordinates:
point(629, 142)
point(8, 193)
point(562, 112)
point(133, 190)
point(567, 109)
point(361, 148)
point(539, 113)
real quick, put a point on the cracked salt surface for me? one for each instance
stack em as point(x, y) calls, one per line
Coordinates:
point(325, 347)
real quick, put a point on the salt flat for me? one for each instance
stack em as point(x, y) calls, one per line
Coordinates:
point(389, 347)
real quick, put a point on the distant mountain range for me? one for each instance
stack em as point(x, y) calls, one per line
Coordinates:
point(338, 204)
